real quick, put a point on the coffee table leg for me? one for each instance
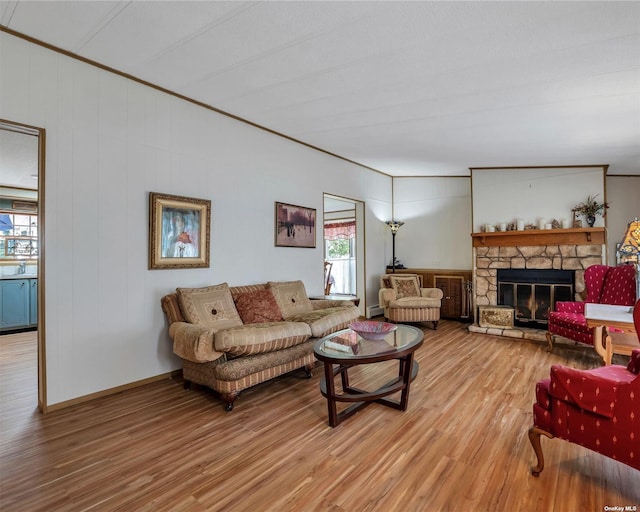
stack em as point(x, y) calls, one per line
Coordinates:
point(406, 365)
point(345, 379)
point(331, 394)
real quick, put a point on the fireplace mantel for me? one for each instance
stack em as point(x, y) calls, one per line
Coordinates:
point(535, 237)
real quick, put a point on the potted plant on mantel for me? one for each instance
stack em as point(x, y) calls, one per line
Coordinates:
point(590, 208)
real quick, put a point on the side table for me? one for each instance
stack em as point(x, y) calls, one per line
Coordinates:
point(602, 316)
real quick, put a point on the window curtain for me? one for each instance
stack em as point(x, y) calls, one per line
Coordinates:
point(338, 230)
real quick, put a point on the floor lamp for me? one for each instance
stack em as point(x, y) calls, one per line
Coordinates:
point(395, 226)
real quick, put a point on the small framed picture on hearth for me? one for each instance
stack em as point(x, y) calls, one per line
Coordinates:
point(295, 226)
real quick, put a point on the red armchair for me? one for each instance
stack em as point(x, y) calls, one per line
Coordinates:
point(604, 285)
point(598, 409)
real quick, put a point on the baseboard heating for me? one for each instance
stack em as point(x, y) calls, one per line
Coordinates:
point(374, 311)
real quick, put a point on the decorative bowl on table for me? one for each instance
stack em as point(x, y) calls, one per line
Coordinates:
point(372, 330)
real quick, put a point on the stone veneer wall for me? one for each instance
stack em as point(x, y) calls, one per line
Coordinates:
point(559, 257)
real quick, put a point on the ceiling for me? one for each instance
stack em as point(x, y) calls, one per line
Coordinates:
point(407, 88)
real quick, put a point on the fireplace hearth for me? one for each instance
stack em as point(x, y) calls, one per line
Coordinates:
point(533, 293)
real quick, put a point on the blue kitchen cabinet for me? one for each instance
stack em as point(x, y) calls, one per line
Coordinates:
point(33, 302)
point(14, 303)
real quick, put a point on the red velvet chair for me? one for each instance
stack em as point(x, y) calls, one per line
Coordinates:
point(604, 285)
point(598, 409)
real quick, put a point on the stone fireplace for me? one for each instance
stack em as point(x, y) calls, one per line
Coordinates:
point(558, 249)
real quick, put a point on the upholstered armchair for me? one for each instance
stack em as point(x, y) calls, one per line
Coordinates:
point(604, 285)
point(405, 300)
point(598, 409)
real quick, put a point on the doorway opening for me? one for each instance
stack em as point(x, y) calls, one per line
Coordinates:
point(22, 257)
point(343, 246)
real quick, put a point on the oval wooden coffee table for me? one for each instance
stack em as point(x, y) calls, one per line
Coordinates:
point(343, 349)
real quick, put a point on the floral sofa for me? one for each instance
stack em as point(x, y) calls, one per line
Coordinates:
point(232, 338)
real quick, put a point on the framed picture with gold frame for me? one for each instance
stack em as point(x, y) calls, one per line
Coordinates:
point(178, 231)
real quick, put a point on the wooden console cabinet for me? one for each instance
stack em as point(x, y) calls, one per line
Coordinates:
point(453, 285)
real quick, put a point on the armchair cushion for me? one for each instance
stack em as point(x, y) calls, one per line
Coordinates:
point(291, 297)
point(258, 306)
point(570, 307)
point(415, 302)
point(405, 286)
point(574, 321)
point(211, 306)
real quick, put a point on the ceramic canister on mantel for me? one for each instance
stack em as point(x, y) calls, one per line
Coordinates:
point(520, 224)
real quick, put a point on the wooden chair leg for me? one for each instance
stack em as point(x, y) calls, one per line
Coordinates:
point(549, 341)
point(534, 438)
point(435, 325)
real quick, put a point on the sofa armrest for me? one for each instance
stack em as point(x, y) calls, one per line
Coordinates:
point(385, 296)
point(432, 293)
point(570, 307)
point(586, 389)
point(194, 342)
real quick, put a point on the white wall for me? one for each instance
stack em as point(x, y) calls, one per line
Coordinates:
point(437, 216)
point(502, 195)
point(109, 142)
point(624, 195)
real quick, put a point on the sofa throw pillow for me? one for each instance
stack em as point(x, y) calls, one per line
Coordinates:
point(405, 286)
point(291, 297)
point(211, 306)
point(258, 307)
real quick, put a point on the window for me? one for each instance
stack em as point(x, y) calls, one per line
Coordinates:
point(340, 250)
point(18, 236)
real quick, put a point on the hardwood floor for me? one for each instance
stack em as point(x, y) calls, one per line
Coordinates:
point(462, 444)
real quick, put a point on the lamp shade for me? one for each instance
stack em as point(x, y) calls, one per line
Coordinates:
point(394, 225)
point(630, 246)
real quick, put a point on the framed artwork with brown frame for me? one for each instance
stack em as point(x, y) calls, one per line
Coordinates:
point(295, 226)
point(178, 231)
